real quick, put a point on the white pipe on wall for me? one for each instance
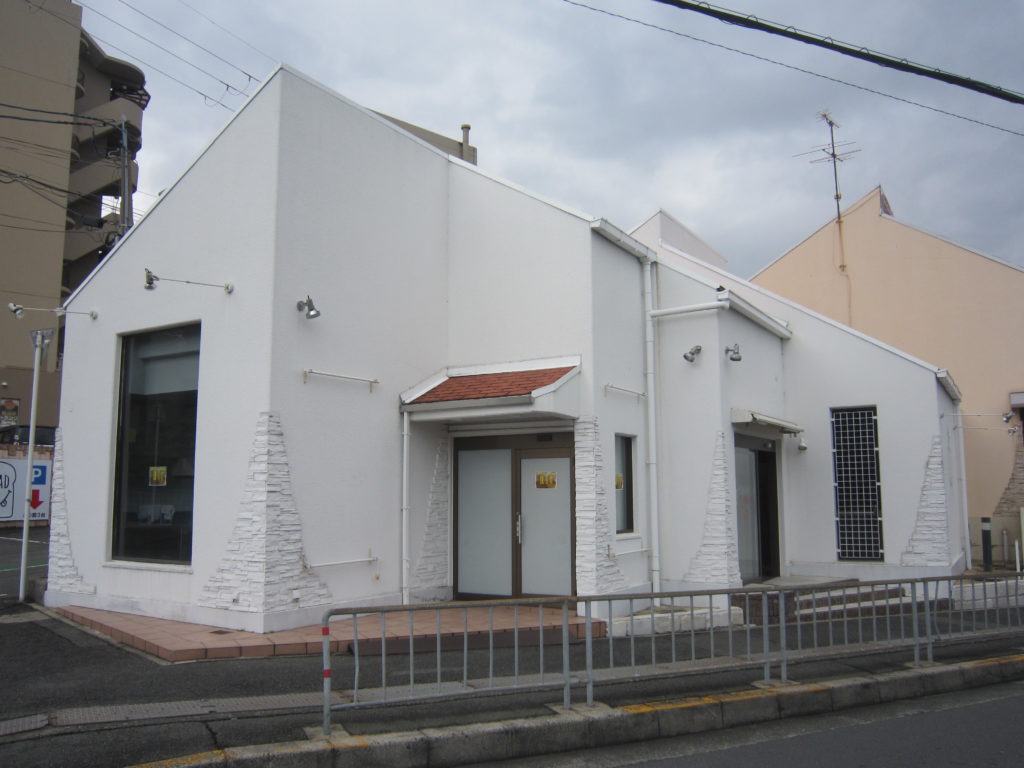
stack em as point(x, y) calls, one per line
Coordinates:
point(652, 421)
point(685, 310)
point(404, 575)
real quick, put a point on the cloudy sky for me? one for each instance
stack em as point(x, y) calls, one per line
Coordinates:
point(627, 106)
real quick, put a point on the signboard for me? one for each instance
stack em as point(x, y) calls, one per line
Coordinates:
point(9, 409)
point(14, 489)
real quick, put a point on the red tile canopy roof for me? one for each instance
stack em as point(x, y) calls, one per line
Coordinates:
point(483, 385)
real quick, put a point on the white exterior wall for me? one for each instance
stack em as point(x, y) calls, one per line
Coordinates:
point(859, 374)
point(690, 404)
point(519, 277)
point(217, 226)
point(824, 366)
point(617, 305)
point(370, 248)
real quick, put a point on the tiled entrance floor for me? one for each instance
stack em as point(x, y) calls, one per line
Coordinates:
point(181, 641)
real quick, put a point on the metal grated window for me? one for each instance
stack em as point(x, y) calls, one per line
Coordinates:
point(858, 491)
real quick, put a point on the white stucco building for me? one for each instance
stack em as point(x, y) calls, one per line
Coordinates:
point(500, 397)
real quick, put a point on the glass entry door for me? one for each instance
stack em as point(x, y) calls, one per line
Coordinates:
point(757, 509)
point(514, 517)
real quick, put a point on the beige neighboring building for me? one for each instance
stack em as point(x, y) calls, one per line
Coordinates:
point(54, 176)
point(953, 307)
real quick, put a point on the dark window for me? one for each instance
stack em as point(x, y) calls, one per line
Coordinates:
point(156, 446)
point(623, 484)
point(858, 490)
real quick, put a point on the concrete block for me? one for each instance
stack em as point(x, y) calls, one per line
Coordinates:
point(546, 735)
point(617, 726)
point(798, 700)
point(294, 754)
point(941, 679)
point(468, 744)
point(986, 672)
point(386, 750)
point(850, 692)
point(694, 716)
point(895, 686)
point(744, 707)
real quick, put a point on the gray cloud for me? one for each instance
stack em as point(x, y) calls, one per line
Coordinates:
point(616, 119)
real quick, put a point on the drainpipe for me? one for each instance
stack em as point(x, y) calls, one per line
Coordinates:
point(652, 434)
point(404, 575)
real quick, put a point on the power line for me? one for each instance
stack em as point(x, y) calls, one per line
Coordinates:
point(847, 49)
point(252, 78)
point(206, 97)
point(149, 67)
point(165, 50)
point(793, 67)
point(262, 53)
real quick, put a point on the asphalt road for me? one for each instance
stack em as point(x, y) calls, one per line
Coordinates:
point(10, 559)
point(975, 728)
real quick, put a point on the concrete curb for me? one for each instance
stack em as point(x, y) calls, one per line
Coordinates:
point(582, 727)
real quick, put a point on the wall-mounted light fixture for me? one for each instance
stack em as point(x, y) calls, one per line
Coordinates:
point(692, 354)
point(19, 311)
point(802, 445)
point(1007, 417)
point(734, 353)
point(151, 281)
point(307, 306)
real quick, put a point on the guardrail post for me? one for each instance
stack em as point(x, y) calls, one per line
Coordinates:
point(782, 635)
point(765, 640)
point(590, 657)
point(927, 621)
point(325, 631)
point(913, 605)
point(566, 689)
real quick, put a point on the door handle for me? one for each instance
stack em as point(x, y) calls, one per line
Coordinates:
point(519, 529)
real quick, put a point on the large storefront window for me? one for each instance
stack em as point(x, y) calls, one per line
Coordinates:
point(156, 446)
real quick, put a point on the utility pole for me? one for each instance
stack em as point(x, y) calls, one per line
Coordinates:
point(40, 341)
point(126, 214)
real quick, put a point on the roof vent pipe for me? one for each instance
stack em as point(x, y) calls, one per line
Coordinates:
point(465, 140)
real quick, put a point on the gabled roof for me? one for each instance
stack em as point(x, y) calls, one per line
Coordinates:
point(885, 211)
point(387, 123)
point(751, 289)
point(487, 385)
point(546, 388)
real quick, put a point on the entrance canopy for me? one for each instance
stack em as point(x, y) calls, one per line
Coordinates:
point(743, 416)
point(532, 389)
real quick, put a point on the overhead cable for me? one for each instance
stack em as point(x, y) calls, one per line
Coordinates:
point(793, 67)
point(209, 99)
point(165, 50)
point(262, 53)
point(252, 78)
point(847, 49)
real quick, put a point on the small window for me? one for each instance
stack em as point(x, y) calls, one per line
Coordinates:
point(156, 445)
point(858, 487)
point(623, 484)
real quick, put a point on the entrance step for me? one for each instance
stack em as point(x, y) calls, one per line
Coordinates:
point(679, 619)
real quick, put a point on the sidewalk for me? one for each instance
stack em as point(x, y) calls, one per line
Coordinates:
point(72, 698)
point(602, 725)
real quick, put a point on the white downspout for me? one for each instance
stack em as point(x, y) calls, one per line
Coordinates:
point(404, 575)
point(652, 434)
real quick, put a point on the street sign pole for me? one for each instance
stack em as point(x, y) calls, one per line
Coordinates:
point(40, 341)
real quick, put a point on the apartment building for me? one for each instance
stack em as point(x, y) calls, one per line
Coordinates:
point(70, 128)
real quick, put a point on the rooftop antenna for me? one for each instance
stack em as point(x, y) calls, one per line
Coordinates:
point(833, 153)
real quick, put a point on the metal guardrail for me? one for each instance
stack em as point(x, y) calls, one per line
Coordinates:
point(450, 649)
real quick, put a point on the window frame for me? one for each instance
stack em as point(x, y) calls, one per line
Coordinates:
point(121, 549)
point(629, 484)
point(857, 484)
